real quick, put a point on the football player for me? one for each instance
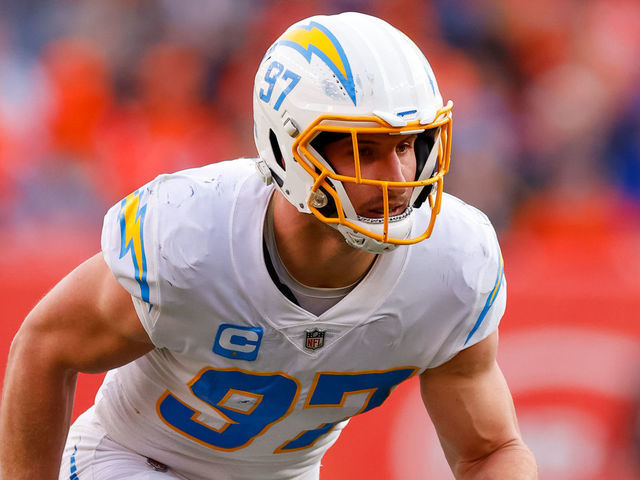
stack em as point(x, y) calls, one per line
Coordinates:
point(247, 309)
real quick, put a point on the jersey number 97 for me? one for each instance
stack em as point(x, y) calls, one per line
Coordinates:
point(248, 403)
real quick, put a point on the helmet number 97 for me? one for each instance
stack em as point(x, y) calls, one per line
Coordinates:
point(274, 72)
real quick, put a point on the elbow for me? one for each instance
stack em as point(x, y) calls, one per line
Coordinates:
point(19, 348)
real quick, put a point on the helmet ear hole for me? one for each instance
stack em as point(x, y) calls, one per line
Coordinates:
point(275, 147)
point(277, 154)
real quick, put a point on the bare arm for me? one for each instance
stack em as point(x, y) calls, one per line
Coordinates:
point(87, 323)
point(471, 407)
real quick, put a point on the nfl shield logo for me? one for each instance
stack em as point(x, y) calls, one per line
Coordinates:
point(314, 339)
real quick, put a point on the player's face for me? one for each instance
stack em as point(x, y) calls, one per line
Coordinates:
point(382, 157)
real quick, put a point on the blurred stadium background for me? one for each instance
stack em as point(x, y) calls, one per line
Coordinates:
point(98, 97)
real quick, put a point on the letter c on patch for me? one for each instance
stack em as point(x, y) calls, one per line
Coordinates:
point(238, 342)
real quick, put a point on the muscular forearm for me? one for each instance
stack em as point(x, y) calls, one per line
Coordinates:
point(511, 462)
point(35, 413)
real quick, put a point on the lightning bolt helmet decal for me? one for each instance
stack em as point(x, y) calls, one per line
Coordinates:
point(315, 38)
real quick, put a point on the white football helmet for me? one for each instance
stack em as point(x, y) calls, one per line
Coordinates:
point(349, 74)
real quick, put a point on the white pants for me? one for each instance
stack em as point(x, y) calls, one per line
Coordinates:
point(90, 455)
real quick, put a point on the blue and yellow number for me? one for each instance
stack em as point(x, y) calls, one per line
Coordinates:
point(271, 76)
point(248, 404)
point(331, 389)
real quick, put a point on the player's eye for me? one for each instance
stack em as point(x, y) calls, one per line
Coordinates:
point(404, 147)
point(365, 152)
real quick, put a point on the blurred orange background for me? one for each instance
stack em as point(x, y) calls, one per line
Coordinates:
point(97, 98)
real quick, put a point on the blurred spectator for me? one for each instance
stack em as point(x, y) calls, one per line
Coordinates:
point(118, 92)
point(165, 127)
point(80, 92)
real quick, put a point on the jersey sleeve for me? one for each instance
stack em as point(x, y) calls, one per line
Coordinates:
point(481, 288)
point(163, 241)
point(130, 248)
point(491, 298)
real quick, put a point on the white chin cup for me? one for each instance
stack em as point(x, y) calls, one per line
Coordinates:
point(399, 227)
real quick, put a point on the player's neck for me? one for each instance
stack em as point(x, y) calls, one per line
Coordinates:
point(314, 253)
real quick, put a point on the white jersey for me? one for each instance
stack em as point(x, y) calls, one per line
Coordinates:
point(244, 383)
